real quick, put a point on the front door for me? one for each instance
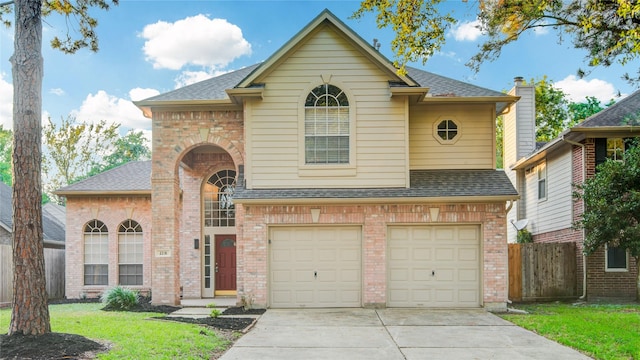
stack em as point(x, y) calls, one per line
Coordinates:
point(225, 265)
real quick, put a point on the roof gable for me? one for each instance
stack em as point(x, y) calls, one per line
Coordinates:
point(326, 18)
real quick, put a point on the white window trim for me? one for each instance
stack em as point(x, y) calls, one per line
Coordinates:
point(543, 165)
point(324, 170)
point(442, 141)
point(606, 262)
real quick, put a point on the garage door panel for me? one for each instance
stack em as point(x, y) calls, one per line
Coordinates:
point(324, 263)
point(444, 254)
point(421, 253)
point(441, 267)
point(468, 275)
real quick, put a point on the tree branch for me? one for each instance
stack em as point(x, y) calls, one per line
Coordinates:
point(6, 3)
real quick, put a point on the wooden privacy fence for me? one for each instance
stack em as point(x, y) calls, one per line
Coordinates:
point(542, 271)
point(54, 270)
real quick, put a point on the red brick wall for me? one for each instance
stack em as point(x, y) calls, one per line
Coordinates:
point(175, 134)
point(253, 234)
point(111, 211)
point(603, 284)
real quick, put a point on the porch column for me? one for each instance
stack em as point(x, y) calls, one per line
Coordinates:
point(165, 256)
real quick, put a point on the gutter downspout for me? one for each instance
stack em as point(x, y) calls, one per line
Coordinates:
point(584, 257)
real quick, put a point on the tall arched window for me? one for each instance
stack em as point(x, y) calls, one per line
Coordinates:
point(96, 253)
point(219, 209)
point(130, 253)
point(326, 126)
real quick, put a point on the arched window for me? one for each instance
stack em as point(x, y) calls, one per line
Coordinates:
point(219, 209)
point(326, 126)
point(96, 253)
point(130, 253)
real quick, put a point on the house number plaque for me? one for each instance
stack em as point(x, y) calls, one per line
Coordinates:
point(163, 253)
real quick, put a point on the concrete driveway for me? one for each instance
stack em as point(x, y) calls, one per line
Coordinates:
point(365, 334)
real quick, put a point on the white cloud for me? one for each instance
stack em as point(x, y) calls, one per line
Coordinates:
point(467, 31)
point(6, 103)
point(578, 89)
point(191, 77)
point(195, 40)
point(138, 94)
point(57, 91)
point(103, 106)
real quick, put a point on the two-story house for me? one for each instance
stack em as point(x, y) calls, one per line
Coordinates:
point(545, 175)
point(317, 178)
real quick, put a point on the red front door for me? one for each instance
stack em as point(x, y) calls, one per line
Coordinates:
point(225, 262)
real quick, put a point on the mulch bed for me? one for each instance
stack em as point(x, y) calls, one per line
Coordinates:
point(71, 346)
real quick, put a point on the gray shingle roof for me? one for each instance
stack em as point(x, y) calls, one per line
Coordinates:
point(134, 176)
point(443, 86)
point(424, 184)
point(210, 89)
point(618, 114)
point(214, 88)
point(53, 216)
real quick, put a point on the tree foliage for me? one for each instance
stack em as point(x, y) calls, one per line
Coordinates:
point(6, 138)
point(612, 206)
point(551, 110)
point(609, 31)
point(131, 147)
point(75, 147)
point(419, 26)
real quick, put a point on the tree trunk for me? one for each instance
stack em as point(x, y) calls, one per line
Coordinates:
point(30, 312)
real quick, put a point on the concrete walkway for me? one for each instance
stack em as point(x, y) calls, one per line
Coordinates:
point(390, 334)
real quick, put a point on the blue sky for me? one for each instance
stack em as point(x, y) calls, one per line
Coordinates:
point(150, 47)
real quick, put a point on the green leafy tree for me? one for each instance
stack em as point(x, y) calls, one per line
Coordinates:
point(608, 31)
point(6, 138)
point(419, 26)
point(580, 111)
point(612, 206)
point(74, 148)
point(131, 147)
point(551, 110)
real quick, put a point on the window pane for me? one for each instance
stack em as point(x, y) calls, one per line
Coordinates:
point(616, 258)
point(96, 274)
point(326, 123)
point(219, 209)
point(130, 274)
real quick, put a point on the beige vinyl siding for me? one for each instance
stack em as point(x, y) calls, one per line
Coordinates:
point(474, 149)
point(555, 212)
point(275, 131)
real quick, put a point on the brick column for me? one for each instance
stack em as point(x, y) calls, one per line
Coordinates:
point(165, 254)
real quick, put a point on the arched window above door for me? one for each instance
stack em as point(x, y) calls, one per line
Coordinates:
point(219, 210)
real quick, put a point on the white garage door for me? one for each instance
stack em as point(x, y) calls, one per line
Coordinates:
point(315, 267)
point(433, 266)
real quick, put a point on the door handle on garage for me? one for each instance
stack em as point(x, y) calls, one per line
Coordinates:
point(315, 274)
point(433, 273)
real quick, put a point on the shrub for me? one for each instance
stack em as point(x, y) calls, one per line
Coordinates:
point(211, 305)
point(524, 236)
point(120, 298)
point(215, 313)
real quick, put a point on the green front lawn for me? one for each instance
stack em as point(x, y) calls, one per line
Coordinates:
point(600, 331)
point(132, 334)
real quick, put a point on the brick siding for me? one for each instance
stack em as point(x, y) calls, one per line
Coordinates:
point(253, 236)
point(112, 211)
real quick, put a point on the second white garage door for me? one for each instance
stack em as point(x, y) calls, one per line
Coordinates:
point(315, 267)
point(433, 266)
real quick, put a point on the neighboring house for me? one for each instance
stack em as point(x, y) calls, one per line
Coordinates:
point(545, 176)
point(318, 178)
point(53, 226)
